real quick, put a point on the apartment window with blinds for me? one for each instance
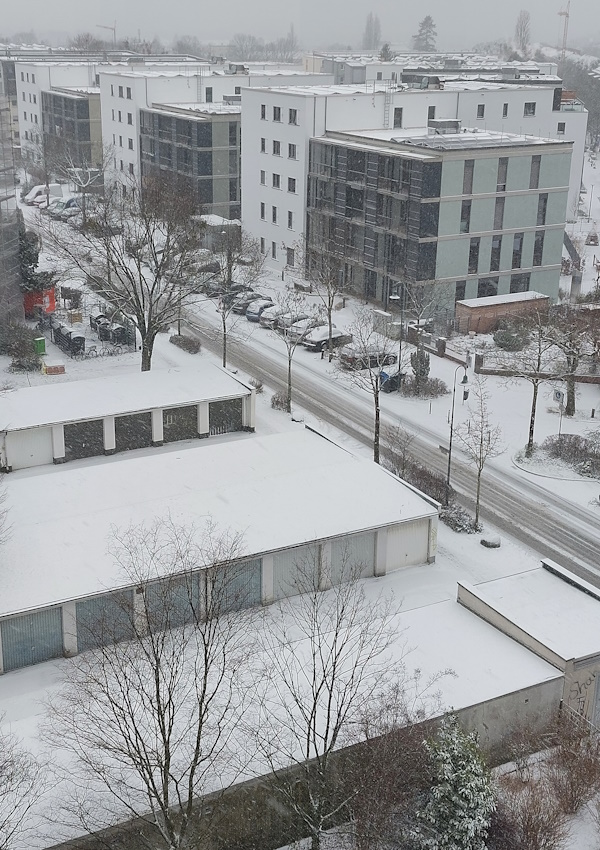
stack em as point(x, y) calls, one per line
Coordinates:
point(499, 214)
point(538, 248)
point(534, 177)
point(474, 255)
point(468, 177)
point(465, 217)
point(542, 209)
point(502, 174)
point(517, 254)
point(495, 253)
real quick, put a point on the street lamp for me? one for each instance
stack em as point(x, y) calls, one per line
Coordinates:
point(464, 382)
point(400, 297)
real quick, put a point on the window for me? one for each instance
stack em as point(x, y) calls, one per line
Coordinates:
point(25, 116)
point(291, 184)
point(23, 95)
point(431, 113)
point(130, 144)
point(274, 250)
point(27, 77)
point(561, 128)
point(262, 211)
point(499, 214)
point(517, 250)
point(495, 253)
point(121, 165)
point(290, 257)
point(120, 91)
point(397, 117)
point(502, 174)
point(481, 110)
point(505, 110)
point(460, 288)
point(112, 90)
point(209, 94)
point(35, 118)
point(487, 286)
point(114, 139)
point(263, 177)
point(33, 78)
point(379, 75)
point(274, 215)
point(263, 247)
point(277, 181)
point(474, 255)
point(468, 177)
point(113, 114)
point(120, 118)
point(290, 220)
point(277, 113)
point(263, 111)
point(263, 145)
point(292, 152)
point(465, 217)
point(34, 99)
point(529, 109)
point(276, 148)
point(22, 77)
point(120, 141)
point(538, 248)
point(292, 119)
point(128, 92)
point(30, 97)
point(519, 282)
point(130, 118)
point(542, 209)
point(534, 176)
point(131, 167)
point(237, 90)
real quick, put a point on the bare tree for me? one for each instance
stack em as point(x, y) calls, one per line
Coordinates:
point(423, 302)
point(247, 48)
point(22, 782)
point(87, 43)
point(372, 351)
point(328, 657)
point(570, 331)
point(150, 721)
point(528, 818)
point(83, 167)
point(523, 33)
point(397, 442)
point(293, 303)
point(139, 251)
point(478, 438)
point(325, 275)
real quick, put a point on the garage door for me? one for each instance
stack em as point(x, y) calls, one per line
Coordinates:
point(407, 544)
point(133, 431)
point(293, 570)
point(84, 439)
point(104, 619)
point(353, 557)
point(32, 447)
point(238, 586)
point(173, 602)
point(31, 638)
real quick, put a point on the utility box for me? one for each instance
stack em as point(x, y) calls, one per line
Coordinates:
point(39, 344)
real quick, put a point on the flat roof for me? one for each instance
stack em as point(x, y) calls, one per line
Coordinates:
point(72, 401)
point(509, 298)
point(555, 612)
point(277, 491)
point(201, 108)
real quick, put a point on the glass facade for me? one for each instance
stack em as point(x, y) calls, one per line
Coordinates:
point(11, 302)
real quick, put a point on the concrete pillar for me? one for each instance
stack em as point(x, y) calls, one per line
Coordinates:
point(139, 610)
point(58, 443)
point(157, 427)
point(110, 442)
point(381, 552)
point(203, 423)
point(267, 579)
point(325, 566)
point(1, 655)
point(249, 412)
point(69, 621)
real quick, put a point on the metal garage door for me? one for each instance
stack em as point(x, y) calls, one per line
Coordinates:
point(239, 586)
point(104, 619)
point(353, 557)
point(407, 544)
point(225, 416)
point(180, 423)
point(84, 439)
point(294, 568)
point(31, 447)
point(133, 431)
point(173, 602)
point(31, 638)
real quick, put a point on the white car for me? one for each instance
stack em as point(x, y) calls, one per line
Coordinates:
point(318, 338)
point(298, 330)
point(270, 317)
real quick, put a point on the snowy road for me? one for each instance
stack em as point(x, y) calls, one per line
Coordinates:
point(545, 522)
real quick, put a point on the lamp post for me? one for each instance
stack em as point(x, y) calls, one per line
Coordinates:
point(464, 382)
point(400, 298)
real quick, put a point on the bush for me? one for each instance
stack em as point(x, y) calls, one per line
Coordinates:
point(527, 818)
point(458, 519)
point(572, 770)
point(16, 341)
point(419, 361)
point(279, 401)
point(425, 387)
point(511, 336)
point(582, 453)
point(431, 483)
point(187, 343)
point(257, 384)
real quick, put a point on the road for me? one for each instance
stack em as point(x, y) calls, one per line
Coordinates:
point(515, 505)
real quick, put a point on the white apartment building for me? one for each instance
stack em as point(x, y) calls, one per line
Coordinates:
point(277, 125)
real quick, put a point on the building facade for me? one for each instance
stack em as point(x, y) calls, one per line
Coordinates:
point(11, 300)
point(72, 125)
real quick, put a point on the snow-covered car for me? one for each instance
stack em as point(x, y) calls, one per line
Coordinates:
point(286, 320)
point(55, 203)
point(300, 328)
point(367, 357)
point(269, 318)
point(255, 308)
point(240, 302)
point(318, 338)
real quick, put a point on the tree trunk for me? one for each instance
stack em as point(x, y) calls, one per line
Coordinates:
point(377, 428)
point(289, 385)
point(570, 379)
point(147, 349)
point(477, 495)
point(529, 449)
point(330, 337)
point(224, 332)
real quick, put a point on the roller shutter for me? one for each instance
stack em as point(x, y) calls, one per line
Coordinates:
point(173, 602)
point(290, 564)
point(31, 447)
point(239, 586)
point(104, 619)
point(353, 557)
point(31, 638)
point(407, 544)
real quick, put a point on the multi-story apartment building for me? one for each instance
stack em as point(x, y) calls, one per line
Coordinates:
point(275, 150)
point(11, 301)
point(476, 213)
point(72, 125)
point(199, 144)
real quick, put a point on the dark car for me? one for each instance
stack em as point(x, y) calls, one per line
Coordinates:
point(255, 309)
point(318, 338)
point(243, 300)
point(369, 357)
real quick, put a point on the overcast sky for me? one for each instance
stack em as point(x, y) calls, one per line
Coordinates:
point(460, 23)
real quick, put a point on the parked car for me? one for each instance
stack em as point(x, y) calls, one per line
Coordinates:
point(592, 238)
point(269, 318)
point(298, 330)
point(318, 338)
point(241, 301)
point(286, 320)
point(370, 357)
point(255, 308)
point(390, 380)
point(53, 189)
point(54, 204)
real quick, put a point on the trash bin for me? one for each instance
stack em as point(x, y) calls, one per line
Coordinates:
point(39, 344)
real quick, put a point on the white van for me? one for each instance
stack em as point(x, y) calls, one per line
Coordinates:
point(53, 189)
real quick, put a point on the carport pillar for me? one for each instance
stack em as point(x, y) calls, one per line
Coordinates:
point(324, 566)
point(69, 620)
point(110, 442)
point(203, 419)
point(157, 427)
point(140, 619)
point(381, 552)
point(58, 444)
point(266, 593)
point(249, 412)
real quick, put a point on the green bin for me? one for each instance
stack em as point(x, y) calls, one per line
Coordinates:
point(40, 344)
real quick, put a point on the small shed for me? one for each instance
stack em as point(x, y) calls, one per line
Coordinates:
point(482, 315)
point(72, 420)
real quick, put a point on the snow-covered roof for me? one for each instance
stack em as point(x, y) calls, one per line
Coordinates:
point(204, 108)
point(277, 491)
point(212, 220)
point(97, 397)
point(509, 298)
point(556, 613)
